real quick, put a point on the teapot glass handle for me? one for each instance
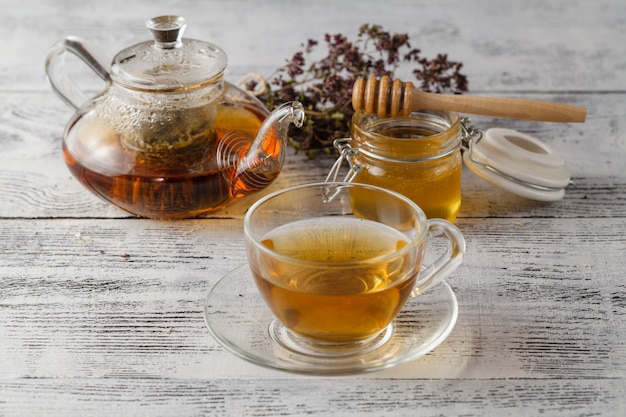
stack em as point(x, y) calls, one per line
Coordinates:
point(58, 77)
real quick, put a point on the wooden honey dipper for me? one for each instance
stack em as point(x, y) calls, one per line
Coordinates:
point(387, 98)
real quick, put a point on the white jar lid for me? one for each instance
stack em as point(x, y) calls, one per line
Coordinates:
point(518, 163)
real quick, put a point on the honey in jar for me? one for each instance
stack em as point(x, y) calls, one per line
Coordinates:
point(418, 155)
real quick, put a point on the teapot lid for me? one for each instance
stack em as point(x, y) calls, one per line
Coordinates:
point(169, 62)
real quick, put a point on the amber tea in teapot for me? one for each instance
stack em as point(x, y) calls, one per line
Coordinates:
point(190, 182)
point(169, 137)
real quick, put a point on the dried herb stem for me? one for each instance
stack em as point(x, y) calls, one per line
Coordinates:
point(325, 86)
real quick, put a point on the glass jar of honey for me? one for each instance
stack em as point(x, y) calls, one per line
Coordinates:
point(418, 155)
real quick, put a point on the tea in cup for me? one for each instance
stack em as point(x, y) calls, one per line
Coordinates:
point(336, 262)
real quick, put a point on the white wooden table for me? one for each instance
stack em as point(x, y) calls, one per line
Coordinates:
point(101, 313)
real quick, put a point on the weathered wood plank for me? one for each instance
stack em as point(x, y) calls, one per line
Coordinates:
point(323, 397)
point(527, 45)
point(34, 181)
point(81, 294)
point(101, 313)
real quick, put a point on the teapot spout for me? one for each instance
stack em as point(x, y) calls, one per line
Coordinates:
point(257, 164)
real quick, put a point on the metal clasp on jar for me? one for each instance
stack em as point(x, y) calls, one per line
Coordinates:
point(469, 134)
point(346, 153)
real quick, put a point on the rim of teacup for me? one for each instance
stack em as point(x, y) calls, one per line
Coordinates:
point(417, 240)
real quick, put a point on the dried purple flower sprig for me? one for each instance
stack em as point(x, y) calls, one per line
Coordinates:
point(324, 86)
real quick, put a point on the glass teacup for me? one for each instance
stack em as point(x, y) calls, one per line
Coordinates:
point(336, 262)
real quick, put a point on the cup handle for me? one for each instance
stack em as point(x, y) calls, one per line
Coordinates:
point(447, 262)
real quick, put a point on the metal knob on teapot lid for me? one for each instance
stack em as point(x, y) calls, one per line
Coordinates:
point(167, 31)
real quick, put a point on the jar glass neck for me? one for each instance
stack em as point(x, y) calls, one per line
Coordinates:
point(426, 134)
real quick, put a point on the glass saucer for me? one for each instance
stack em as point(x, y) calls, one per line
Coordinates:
point(239, 320)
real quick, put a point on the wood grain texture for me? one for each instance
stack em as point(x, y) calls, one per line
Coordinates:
point(34, 181)
point(528, 45)
point(90, 309)
point(323, 397)
point(101, 312)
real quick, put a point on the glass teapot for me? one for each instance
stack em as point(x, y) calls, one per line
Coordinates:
point(168, 137)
